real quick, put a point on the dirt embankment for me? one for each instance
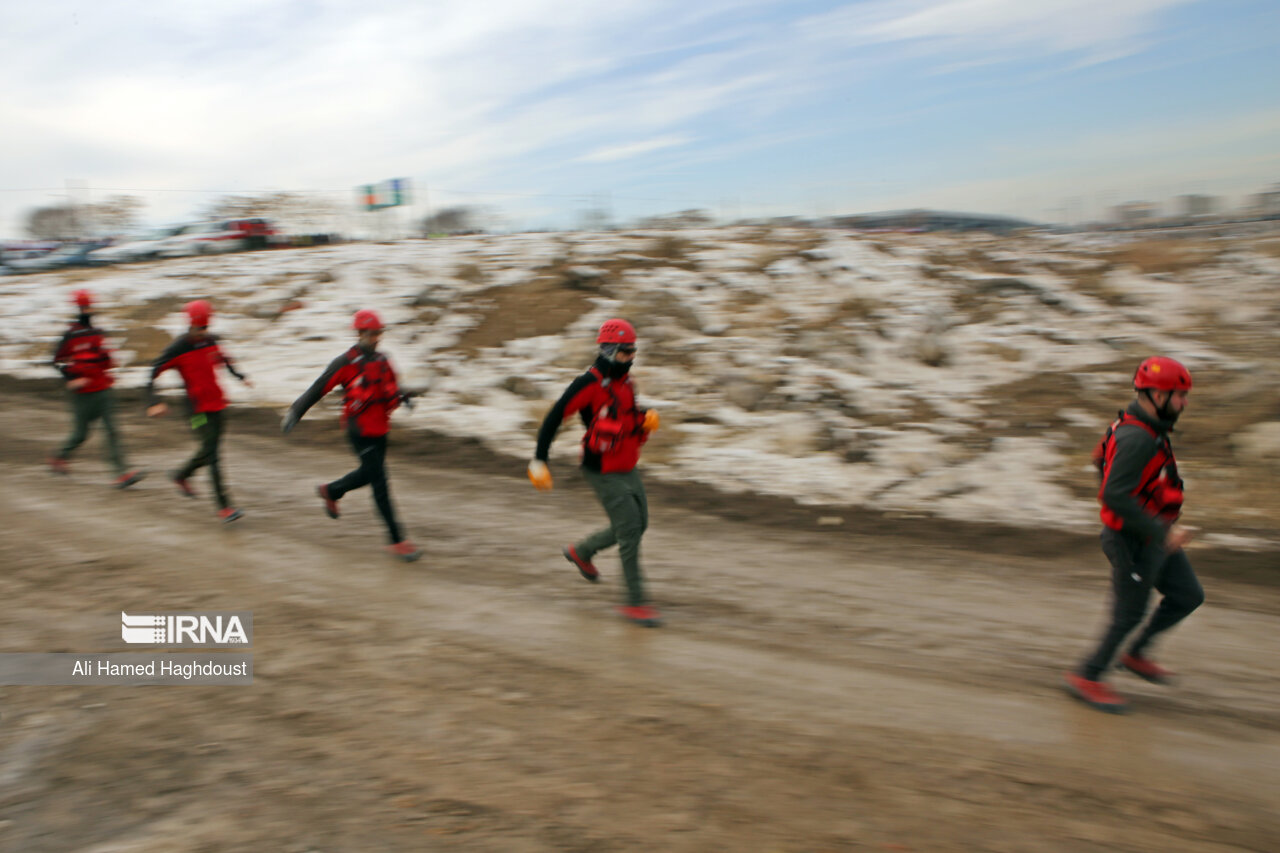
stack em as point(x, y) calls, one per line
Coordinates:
point(464, 454)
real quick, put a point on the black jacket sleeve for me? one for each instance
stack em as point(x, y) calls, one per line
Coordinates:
point(231, 366)
point(1134, 449)
point(57, 361)
point(161, 364)
point(318, 388)
point(555, 417)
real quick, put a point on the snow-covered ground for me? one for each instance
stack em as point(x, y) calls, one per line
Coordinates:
point(826, 366)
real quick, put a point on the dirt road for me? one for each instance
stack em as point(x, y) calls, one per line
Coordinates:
point(813, 689)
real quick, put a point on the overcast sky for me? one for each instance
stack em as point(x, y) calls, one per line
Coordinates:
point(1048, 109)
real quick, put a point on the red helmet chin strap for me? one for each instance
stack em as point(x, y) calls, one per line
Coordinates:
point(1163, 412)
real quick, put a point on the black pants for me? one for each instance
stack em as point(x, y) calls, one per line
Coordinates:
point(1136, 568)
point(372, 452)
point(208, 428)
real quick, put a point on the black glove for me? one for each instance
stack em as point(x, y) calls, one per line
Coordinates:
point(406, 400)
point(289, 422)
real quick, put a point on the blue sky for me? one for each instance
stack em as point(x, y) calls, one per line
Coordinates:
point(539, 109)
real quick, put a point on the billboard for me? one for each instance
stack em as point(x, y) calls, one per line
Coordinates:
point(389, 193)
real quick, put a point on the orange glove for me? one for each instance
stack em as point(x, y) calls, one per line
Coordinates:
point(540, 475)
point(651, 420)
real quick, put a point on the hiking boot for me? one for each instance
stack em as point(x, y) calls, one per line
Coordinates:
point(183, 484)
point(1096, 694)
point(1145, 669)
point(585, 567)
point(229, 514)
point(330, 505)
point(641, 614)
point(405, 550)
point(58, 465)
point(128, 478)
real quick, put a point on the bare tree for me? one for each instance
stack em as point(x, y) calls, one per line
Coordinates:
point(116, 214)
point(450, 220)
point(57, 222)
point(297, 211)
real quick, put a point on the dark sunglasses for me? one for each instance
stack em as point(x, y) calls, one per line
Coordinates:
point(627, 348)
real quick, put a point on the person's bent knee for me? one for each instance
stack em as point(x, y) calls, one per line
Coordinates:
point(1189, 601)
point(628, 532)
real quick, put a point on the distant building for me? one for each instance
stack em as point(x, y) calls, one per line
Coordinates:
point(1135, 213)
point(1266, 203)
point(931, 220)
point(1197, 205)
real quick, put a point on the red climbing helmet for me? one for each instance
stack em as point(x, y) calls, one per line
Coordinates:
point(616, 331)
point(82, 299)
point(199, 312)
point(1161, 374)
point(366, 321)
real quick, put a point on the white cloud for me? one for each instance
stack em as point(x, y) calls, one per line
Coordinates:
point(996, 27)
point(634, 149)
point(524, 97)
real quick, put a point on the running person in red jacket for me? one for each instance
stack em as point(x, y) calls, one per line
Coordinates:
point(196, 355)
point(372, 394)
point(616, 430)
point(85, 363)
point(1141, 497)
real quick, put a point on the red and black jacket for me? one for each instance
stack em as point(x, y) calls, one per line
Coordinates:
point(372, 393)
point(608, 409)
point(82, 354)
point(1141, 491)
point(195, 361)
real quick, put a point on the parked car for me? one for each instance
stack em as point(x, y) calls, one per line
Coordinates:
point(16, 250)
point(199, 238)
point(66, 255)
point(254, 232)
point(142, 247)
point(223, 235)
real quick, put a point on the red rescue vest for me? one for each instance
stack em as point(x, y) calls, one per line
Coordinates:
point(614, 431)
point(1159, 489)
point(372, 392)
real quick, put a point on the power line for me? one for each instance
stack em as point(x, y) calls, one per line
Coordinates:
point(577, 196)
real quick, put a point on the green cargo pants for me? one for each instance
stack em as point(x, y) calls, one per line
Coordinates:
point(623, 499)
point(87, 408)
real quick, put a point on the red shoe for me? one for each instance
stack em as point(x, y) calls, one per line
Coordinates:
point(183, 484)
point(1096, 694)
point(330, 505)
point(58, 465)
point(1145, 669)
point(405, 550)
point(585, 567)
point(229, 514)
point(641, 614)
point(128, 478)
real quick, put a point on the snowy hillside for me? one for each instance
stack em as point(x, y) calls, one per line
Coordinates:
point(963, 376)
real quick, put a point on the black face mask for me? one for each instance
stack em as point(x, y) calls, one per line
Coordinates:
point(608, 367)
point(618, 369)
point(85, 319)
